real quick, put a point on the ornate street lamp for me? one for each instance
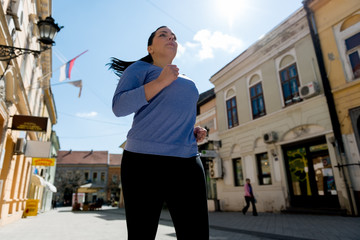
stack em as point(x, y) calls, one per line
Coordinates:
point(47, 29)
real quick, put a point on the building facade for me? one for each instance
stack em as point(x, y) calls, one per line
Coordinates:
point(275, 126)
point(77, 168)
point(209, 147)
point(337, 32)
point(24, 90)
point(114, 193)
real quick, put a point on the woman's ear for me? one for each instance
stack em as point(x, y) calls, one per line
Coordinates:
point(150, 50)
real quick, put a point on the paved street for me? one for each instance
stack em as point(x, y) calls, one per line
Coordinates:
point(109, 223)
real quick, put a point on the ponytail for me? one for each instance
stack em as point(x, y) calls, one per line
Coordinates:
point(119, 66)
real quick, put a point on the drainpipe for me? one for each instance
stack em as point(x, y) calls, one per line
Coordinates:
point(330, 103)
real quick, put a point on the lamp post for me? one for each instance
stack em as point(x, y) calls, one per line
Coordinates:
point(47, 29)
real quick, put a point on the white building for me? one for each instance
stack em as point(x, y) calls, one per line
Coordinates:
point(275, 127)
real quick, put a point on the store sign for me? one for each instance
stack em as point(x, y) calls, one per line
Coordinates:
point(48, 162)
point(31, 208)
point(29, 123)
point(37, 149)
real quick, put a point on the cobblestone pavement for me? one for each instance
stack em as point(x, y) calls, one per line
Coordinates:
point(109, 223)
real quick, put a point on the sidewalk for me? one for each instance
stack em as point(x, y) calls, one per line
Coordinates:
point(109, 223)
point(283, 226)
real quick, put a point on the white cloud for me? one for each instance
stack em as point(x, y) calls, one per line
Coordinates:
point(180, 50)
point(206, 42)
point(89, 114)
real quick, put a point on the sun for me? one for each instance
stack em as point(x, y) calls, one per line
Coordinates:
point(231, 9)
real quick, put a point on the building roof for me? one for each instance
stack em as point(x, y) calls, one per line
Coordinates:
point(115, 159)
point(204, 98)
point(82, 157)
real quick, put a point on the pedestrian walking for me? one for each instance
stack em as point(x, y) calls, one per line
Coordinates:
point(160, 161)
point(249, 197)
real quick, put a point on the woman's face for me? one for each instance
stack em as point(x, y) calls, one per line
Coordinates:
point(164, 44)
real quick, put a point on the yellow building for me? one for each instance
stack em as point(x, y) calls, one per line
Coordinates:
point(336, 26)
point(24, 91)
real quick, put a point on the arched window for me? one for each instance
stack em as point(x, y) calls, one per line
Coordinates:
point(231, 108)
point(348, 40)
point(256, 97)
point(289, 79)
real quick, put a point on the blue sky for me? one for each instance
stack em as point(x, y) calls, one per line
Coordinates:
point(210, 34)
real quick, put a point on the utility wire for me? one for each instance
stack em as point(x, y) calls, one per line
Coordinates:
point(170, 16)
point(98, 136)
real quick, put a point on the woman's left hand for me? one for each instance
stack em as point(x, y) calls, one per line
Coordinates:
point(200, 133)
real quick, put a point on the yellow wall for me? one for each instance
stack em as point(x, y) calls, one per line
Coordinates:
point(336, 21)
point(329, 17)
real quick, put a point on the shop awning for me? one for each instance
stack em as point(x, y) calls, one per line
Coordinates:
point(51, 187)
point(88, 188)
point(37, 180)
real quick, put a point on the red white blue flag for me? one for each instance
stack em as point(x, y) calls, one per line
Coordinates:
point(65, 70)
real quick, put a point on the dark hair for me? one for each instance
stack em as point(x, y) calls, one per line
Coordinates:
point(119, 66)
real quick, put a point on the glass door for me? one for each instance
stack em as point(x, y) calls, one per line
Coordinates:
point(298, 169)
point(310, 175)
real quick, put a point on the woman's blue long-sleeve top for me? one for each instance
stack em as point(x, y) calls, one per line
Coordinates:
point(165, 124)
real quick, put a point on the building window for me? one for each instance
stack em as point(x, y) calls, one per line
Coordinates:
point(114, 179)
point(257, 101)
point(102, 177)
point(86, 175)
point(232, 112)
point(95, 175)
point(355, 121)
point(290, 84)
point(238, 172)
point(353, 52)
point(264, 171)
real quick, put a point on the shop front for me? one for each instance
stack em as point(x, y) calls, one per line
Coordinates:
point(310, 175)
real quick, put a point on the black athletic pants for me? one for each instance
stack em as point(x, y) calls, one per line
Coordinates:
point(149, 181)
point(248, 200)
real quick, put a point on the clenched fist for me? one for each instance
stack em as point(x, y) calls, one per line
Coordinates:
point(169, 74)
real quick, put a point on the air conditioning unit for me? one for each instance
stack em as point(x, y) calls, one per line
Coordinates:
point(20, 146)
point(309, 90)
point(215, 168)
point(270, 137)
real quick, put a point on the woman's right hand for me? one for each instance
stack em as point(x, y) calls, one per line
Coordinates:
point(169, 74)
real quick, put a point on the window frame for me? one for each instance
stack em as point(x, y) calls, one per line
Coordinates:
point(253, 86)
point(102, 177)
point(238, 182)
point(229, 111)
point(261, 174)
point(295, 96)
point(88, 175)
point(94, 178)
point(340, 37)
point(351, 51)
point(114, 178)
